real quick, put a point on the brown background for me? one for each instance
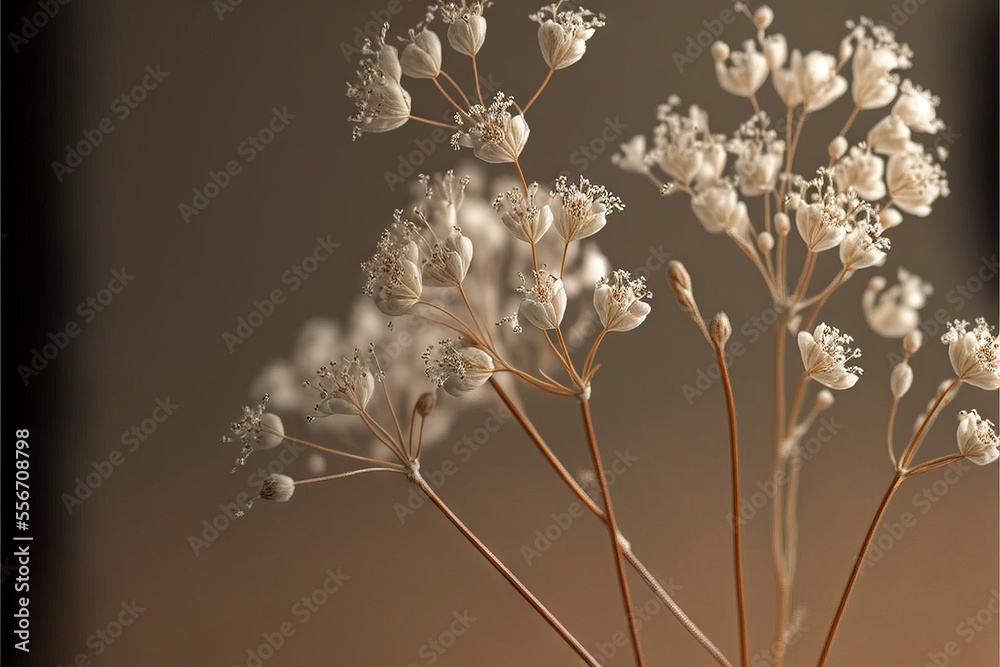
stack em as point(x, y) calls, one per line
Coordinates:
point(162, 337)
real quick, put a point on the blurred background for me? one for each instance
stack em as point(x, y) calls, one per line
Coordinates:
point(213, 73)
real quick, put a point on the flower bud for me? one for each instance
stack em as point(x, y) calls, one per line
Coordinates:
point(913, 341)
point(721, 329)
point(889, 218)
point(901, 379)
point(678, 276)
point(824, 399)
point(837, 148)
point(763, 17)
point(720, 51)
point(782, 225)
point(272, 431)
point(278, 488)
point(765, 242)
point(425, 404)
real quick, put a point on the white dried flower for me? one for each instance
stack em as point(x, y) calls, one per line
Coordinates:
point(759, 155)
point(916, 181)
point(381, 103)
point(894, 313)
point(493, 134)
point(526, 221)
point(824, 216)
point(825, 353)
point(977, 438)
point(421, 57)
point(918, 109)
point(618, 300)
point(345, 387)
point(456, 367)
point(745, 73)
point(447, 261)
point(775, 49)
point(864, 246)
point(810, 80)
point(544, 305)
point(681, 144)
point(974, 354)
point(278, 488)
point(877, 54)
point(584, 209)
point(632, 158)
point(719, 209)
point(466, 25)
point(394, 279)
point(563, 35)
point(862, 170)
point(889, 136)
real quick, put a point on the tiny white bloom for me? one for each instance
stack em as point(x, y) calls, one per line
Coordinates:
point(345, 387)
point(825, 353)
point(719, 209)
point(394, 279)
point(633, 156)
point(466, 25)
point(456, 367)
point(977, 438)
point(584, 208)
point(876, 56)
point(864, 246)
point(448, 261)
point(278, 488)
point(256, 430)
point(618, 300)
point(918, 109)
point(759, 155)
point(861, 170)
point(526, 221)
point(810, 80)
point(493, 134)
point(916, 181)
point(746, 72)
point(381, 102)
point(974, 354)
point(890, 136)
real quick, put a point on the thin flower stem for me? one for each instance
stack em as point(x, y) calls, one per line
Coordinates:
point(538, 92)
point(447, 126)
point(720, 355)
point(935, 464)
point(562, 263)
point(806, 276)
point(475, 75)
point(850, 121)
point(569, 361)
point(420, 438)
point(575, 487)
point(449, 98)
point(352, 473)
point(388, 400)
point(472, 314)
point(777, 512)
point(858, 562)
point(336, 452)
point(409, 438)
point(507, 574)
point(383, 435)
point(457, 88)
point(892, 426)
point(827, 293)
point(524, 182)
point(589, 362)
point(842, 277)
point(595, 455)
point(914, 445)
point(751, 253)
point(753, 102)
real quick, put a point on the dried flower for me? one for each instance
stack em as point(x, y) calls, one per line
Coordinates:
point(825, 353)
point(466, 25)
point(889, 136)
point(901, 379)
point(916, 181)
point(426, 403)
point(421, 58)
point(618, 300)
point(278, 488)
point(525, 221)
point(864, 246)
point(759, 155)
point(256, 430)
point(894, 313)
point(877, 54)
point(633, 157)
point(810, 80)
point(381, 102)
point(563, 35)
point(684, 148)
point(974, 354)
point(394, 280)
point(493, 134)
point(719, 209)
point(544, 305)
point(918, 109)
point(977, 438)
point(745, 73)
point(456, 367)
point(584, 210)
point(448, 261)
point(862, 170)
point(720, 328)
point(344, 388)
point(824, 221)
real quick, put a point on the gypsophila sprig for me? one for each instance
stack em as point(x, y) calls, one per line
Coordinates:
point(974, 353)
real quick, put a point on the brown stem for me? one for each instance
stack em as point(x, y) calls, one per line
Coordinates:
point(508, 575)
point(777, 513)
point(475, 75)
point(720, 355)
point(850, 121)
point(914, 445)
point(595, 455)
point(574, 486)
point(433, 122)
point(856, 570)
point(538, 92)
